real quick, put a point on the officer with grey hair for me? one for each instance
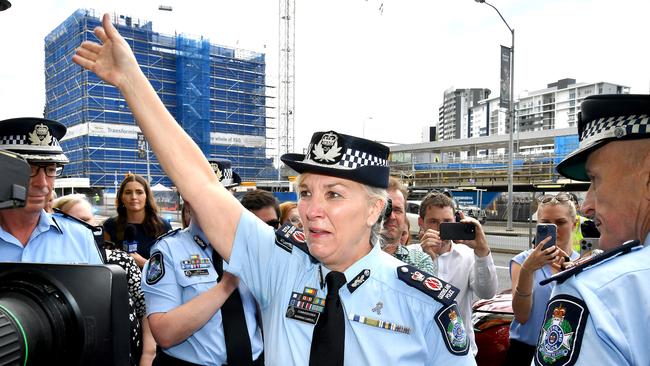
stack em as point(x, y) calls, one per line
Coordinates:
point(598, 311)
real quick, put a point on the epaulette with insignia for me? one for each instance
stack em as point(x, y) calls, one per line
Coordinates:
point(169, 233)
point(429, 284)
point(289, 236)
point(591, 261)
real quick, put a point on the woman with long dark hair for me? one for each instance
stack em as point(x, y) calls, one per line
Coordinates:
point(137, 224)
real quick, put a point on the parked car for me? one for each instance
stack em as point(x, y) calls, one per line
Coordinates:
point(491, 320)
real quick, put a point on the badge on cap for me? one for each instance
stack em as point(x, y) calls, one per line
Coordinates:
point(156, 269)
point(561, 334)
point(327, 150)
point(40, 136)
point(451, 325)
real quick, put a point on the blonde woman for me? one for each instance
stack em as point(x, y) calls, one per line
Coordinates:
point(316, 290)
point(527, 269)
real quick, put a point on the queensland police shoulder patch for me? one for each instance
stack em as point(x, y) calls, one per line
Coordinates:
point(453, 329)
point(561, 334)
point(156, 269)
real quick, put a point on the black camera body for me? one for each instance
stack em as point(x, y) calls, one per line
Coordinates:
point(63, 314)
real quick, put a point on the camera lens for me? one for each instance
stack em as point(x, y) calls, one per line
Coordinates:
point(38, 324)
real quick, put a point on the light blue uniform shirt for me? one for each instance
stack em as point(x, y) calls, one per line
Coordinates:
point(617, 295)
point(278, 277)
point(179, 285)
point(55, 239)
point(529, 332)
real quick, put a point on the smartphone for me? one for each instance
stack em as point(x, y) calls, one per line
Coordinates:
point(457, 231)
point(590, 237)
point(545, 230)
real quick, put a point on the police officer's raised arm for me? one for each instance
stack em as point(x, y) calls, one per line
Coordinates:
point(114, 62)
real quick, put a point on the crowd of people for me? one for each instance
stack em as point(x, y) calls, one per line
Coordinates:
point(333, 278)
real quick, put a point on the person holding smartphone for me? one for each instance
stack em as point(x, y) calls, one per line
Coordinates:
point(528, 268)
point(466, 264)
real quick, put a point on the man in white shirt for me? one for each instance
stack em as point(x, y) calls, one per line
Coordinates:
point(466, 264)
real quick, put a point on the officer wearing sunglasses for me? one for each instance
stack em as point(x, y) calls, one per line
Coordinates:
point(29, 234)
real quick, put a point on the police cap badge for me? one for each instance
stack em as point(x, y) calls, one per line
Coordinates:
point(36, 139)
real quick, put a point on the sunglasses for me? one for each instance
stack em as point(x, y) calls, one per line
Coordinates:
point(560, 197)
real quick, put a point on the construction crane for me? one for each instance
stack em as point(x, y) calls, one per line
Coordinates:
point(286, 79)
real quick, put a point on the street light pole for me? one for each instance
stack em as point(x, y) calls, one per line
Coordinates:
point(511, 114)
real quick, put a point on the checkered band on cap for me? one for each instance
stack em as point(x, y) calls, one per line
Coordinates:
point(614, 127)
point(227, 175)
point(351, 159)
point(16, 142)
point(354, 159)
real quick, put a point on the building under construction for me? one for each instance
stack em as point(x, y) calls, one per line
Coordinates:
point(217, 94)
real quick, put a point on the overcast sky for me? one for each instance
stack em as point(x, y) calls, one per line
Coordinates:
point(367, 67)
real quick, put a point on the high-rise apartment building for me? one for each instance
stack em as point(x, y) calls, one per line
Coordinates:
point(558, 105)
point(217, 94)
point(454, 115)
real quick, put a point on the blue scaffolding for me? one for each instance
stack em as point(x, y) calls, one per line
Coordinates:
point(217, 94)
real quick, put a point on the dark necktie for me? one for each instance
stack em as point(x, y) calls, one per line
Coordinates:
point(238, 344)
point(328, 341)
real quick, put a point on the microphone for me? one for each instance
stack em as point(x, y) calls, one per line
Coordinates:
point(130, 244)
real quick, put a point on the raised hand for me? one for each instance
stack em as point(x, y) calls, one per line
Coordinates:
point(541, 257)
point(480, 243)
point(113, 61)
point(432, 244)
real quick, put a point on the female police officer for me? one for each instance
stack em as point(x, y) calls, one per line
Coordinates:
point(338, 298)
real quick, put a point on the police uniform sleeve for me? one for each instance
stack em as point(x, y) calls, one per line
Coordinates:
point(447, 339)
point(255, 259)
point(159, 284)
point(582, 327)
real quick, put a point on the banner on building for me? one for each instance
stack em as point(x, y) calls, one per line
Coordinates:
point(504, 98)
point(231, 139)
